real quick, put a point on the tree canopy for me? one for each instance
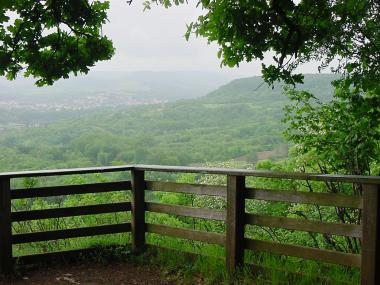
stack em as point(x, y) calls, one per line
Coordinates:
point(51, 39)
point(341, 136)
point(341, 34)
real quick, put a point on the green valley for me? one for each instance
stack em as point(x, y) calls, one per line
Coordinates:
point(235, 122)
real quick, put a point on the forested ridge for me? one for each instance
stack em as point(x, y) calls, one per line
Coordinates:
point(236, 121)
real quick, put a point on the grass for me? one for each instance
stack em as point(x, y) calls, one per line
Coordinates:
point(204, 261)
point(180, 261)
point(277, 269)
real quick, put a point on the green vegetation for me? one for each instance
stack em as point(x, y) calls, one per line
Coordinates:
point(209, 131)
point(234, 122)
point(52, 39)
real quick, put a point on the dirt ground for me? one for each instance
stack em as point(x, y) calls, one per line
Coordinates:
point(94, 274)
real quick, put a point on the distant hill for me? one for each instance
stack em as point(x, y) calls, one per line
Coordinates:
point(237, 121)
point(108, 89)
point(254, 89)
point(22, 103)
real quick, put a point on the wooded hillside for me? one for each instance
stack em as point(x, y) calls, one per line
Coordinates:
point(236, 121)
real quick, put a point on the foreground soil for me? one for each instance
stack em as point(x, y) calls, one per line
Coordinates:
point(92, 273)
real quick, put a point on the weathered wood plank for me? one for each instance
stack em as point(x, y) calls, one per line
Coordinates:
point(70, 211)
point(202, 170)
point(208, 237)
point(324, 255)
point(70, 189)
point(350, 230)
point(138, 210)
point(209, 214)
point(370, 242)
point(6, 261)
point(71, 233)
point(70, 171)
point(322, 199)
point(198, 189)
point(262, 173)
point(235, 222)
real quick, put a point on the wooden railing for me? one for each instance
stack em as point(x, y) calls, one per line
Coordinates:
point(236, 193)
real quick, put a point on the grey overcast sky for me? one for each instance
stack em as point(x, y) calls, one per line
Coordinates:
point(154, 40)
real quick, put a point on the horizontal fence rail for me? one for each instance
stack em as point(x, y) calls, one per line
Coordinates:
point(234, 217)
point(210, 190)
point(321, 199)
point(70, 190)
point(348, 230)
point(202, 213)
point(71, 233)
point(70, 211)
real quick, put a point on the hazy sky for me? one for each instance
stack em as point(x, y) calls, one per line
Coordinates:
point(154, 40)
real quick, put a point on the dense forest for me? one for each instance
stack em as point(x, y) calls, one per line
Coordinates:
point(239, 121)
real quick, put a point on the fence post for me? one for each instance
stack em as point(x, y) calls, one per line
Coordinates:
point(6, 260)
point(138, 210)
point(235, 222)
point(370, 244)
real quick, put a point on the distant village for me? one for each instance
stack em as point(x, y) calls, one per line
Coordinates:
point(89, 102)
point(45, 112)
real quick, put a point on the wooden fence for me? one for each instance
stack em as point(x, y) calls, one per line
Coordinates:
point(235, 217)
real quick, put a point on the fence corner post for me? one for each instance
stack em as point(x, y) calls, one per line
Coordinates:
point(235, 222)
point(370, 244)
point(6, 260)
point(138, 210)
